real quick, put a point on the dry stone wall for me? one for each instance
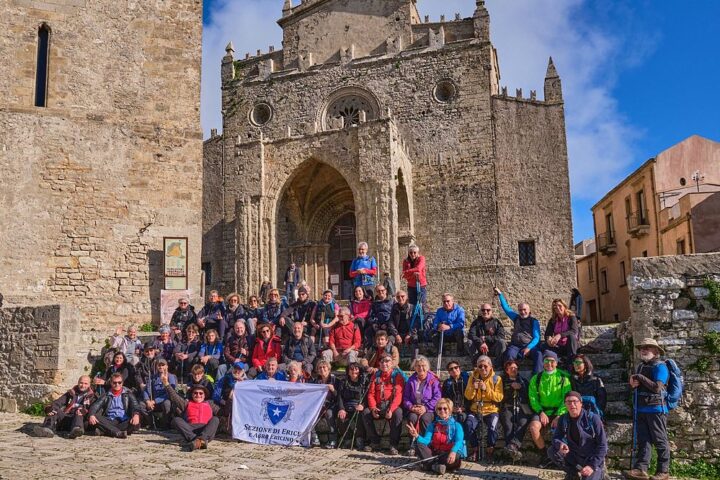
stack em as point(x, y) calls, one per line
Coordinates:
point(676, 300)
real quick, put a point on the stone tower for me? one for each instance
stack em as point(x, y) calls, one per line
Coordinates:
point(100, 147)
point(371, 124)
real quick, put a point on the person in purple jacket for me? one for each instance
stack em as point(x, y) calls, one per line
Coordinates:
point(421, 393)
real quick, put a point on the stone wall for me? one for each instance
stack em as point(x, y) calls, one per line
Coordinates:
point(92, 182)
point(670, 302)
point(38, 354)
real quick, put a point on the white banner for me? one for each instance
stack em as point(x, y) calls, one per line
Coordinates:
point(276, 413)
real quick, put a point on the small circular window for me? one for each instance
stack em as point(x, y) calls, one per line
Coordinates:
point(261, 114)
point(445, 91)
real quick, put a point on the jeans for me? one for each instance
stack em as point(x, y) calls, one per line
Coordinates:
point(514, 352)
point(491, 432)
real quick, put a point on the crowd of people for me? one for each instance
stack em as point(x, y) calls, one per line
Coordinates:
point(185, 378)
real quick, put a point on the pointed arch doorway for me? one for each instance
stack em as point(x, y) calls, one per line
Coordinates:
point(316, 228)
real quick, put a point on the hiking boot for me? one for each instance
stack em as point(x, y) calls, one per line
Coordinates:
point(410, 452)
point(121, 435)
point(660, 476)
point(43, 431)
point(546, 462)
point(367, 448)
point(489, 451)
point(314, 440)
point(472, 455)
point(360, 444)
point(439, 468)
point(199, 444)
point(393, 451)
point(330, 445)
point(636, 474)
point(513, 452)
point(75, 433)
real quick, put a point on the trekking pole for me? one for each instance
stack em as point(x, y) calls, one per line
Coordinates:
point(634, 432)
point(354, 416)
point(152, 417)
point(416, 462)
point(481, 441)
point(439, 360)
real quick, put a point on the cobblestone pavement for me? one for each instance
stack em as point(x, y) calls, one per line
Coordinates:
point(152, 455)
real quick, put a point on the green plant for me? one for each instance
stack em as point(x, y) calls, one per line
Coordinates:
point(712, 342)
point(702, 364)
point(36, 409)
point(147, 327)
point(699, 469)
point(714, 295)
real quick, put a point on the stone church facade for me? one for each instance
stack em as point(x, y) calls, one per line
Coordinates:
point(372, 124)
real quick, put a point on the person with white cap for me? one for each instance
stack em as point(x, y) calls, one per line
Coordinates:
point(649, 384)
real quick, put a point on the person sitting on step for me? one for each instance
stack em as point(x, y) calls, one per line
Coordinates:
point(525, 338)
point(421, 393)
point(116, 413)
point(198, 422)
point(485, 392)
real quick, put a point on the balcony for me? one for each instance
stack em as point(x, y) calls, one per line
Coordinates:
point(606, 243)
point(638, 224)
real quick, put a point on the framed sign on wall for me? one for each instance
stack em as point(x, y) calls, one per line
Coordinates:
point(175, 263)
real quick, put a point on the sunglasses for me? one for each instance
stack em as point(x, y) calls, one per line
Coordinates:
point(116, 383)
point(455, 367)
point(578, 362)
point(486, 310)
point(549, 360)
point(198, 394)
point(443, 409)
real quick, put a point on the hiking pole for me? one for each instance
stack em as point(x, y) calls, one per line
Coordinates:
point(411, 464)
point(354, 416)
point(634, 432)
point(439, 360)
point(481, 440)
point(152, 417)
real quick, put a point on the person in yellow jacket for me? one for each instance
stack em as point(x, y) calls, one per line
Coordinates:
point(485, 392)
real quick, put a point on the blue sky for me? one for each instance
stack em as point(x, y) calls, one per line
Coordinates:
point(638, 75)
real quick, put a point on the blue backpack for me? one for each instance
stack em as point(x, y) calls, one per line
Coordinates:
point(674, 387)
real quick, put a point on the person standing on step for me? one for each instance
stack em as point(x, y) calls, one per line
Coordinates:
point(525, 338)
point(485, 392)
point(363, 269)
point(487, 336)
point(649, 384)
point(414, 273)
point(68, 412)
point(579, 444)
point(292, 279)
point(546, 392)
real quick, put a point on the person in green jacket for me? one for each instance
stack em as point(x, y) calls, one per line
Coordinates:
point(546, 393)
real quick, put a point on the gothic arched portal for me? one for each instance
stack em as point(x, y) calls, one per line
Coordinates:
point(316, 226)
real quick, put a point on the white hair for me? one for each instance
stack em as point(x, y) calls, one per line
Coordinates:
point(413, 248)
point(363, 244)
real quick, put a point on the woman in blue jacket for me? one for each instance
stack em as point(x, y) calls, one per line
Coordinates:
point(444, 437)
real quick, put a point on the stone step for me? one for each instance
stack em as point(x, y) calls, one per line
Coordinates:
point(606, 360)
point(591, 332)
point(619, 408)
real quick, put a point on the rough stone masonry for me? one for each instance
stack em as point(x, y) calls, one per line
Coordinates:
point(371, 124)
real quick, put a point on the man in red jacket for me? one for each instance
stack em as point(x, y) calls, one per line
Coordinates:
point(345, 340)
point(198, 423)
point(414, 272)
point(384, 399)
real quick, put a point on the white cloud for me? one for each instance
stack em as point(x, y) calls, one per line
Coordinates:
point(525, 32)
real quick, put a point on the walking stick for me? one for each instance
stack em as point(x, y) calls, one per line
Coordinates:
point(354, 416)
point(152, 417)
point(634, 432)
point(439, 360)
point(416, 462)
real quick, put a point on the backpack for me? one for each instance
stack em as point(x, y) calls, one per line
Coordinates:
point(563, 424)
point(674, 387)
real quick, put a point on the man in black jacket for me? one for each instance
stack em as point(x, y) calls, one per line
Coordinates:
point(116, 413)
point(487, 336)
point(301, 348)
point(67, 413)
point(300, 310)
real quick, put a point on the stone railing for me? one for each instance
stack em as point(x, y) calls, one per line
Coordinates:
point(671, 301)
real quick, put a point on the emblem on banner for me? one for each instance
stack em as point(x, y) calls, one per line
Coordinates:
point(277, 410)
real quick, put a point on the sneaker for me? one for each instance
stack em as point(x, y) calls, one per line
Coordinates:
point(393, 451)
point(367, 448)
point(660, 476)
point(439, 468)
point(314, 441)
point(410, 452)
point(636, 474)
point(122, 435)
point(43, 431)
point(75, 433)
point(513, 452)
point(330, 445)
point(545, 463)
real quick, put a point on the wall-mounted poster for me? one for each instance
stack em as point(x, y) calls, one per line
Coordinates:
point(175, 266)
